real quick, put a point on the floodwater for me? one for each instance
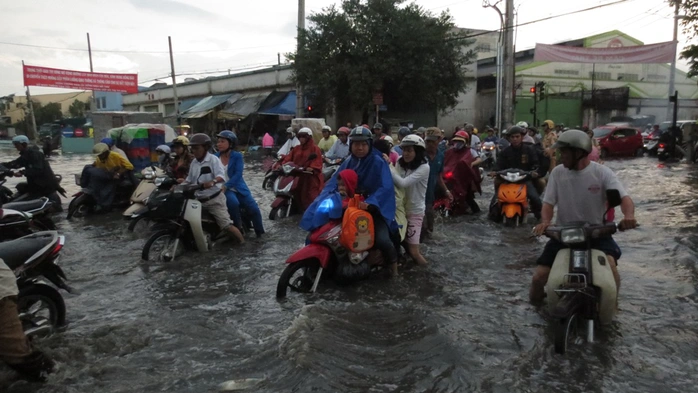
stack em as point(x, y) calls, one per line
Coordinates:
point(206, 323)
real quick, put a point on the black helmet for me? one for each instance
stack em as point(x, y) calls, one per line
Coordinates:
point(516, 130)
point(200, 139)
point(360, 134)
point(404, 131)
point(378, 126)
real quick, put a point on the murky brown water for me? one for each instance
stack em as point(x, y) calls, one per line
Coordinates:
point(462, 324)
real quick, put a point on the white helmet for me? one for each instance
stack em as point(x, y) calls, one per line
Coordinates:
point(522, 124)
point(389, 139)
point(164, 149)
point(326, 128)
point(413, 140)
point(305, 130)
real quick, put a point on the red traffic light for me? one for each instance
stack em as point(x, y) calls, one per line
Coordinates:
point(310, 108)
point(533, 90)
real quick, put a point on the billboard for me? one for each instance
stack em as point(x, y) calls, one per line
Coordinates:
point(655, 53)
point(79, 80)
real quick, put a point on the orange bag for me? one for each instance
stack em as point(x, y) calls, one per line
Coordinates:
point(357, 227)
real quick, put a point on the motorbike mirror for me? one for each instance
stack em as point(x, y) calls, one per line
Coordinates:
point(613, 198)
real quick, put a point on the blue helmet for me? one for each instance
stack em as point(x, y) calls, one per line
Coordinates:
point(404, 131)
point(21, 139)
point(230, 136)
point(107, 141)
point(360, 134)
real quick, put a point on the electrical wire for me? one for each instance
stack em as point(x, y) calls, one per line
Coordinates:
point(133, 51)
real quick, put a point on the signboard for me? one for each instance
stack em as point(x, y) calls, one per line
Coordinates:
point(377, 98)
point(655, 53)
point(53, 77)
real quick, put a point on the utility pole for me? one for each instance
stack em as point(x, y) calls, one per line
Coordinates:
point(93, 100)
point(508, 71)
point(301, 27)
point(174, 83)
point(499, 67)
point(35, 132)
point(672, 75)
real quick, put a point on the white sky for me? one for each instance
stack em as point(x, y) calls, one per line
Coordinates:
point(212, 35)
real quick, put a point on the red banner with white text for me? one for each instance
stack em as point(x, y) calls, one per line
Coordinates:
point(98, 81)
point(654, 53)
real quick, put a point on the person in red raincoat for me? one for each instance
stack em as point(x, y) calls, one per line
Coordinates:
point(310, 184)
point(460, 176)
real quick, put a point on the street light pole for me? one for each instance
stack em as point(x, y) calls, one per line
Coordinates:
point(301, 27)
point(508, 85)
point(672, 75)
point(498, 67)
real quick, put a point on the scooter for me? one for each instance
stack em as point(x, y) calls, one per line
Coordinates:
point(328, 170)
point(512, 197)
point(7, 196)
point(184, 225)
point(83, 202)
point(324, 256)
point(651, 145)
point(145, 187)
point(581, 290)
point(285, 187)
point(161, 186)
point(33, 260)
point(19, 219)
point(272, 174)
point(489, 155)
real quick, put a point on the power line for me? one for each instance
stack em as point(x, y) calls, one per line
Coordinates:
point(132, 51)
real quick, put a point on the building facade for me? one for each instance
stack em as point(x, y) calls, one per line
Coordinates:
point(19, 108)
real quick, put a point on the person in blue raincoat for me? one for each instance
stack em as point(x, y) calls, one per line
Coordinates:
point(375, 185)
point(237, 194)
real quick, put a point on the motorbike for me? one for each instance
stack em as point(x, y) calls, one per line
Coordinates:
point(33, 259)
point(651, 144)
point(512, 197)
point(83, 202)
point(581, 290)
point(6, 195)
point(328, 170)
point(182, 223)
point(272, 174)
point(489, 155)
point(324, 256)
point(19, 219)
point(154, 181)
point(664, 152)
point(285, 187)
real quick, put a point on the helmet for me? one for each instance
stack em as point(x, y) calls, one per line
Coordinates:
point(474, 131)
point(549, 124)
point(389, 139)
point(460, 136)
point(413, 140)
point(343, 130)
point(108, 141)
point(230, 136)
point(421, 131)
point(360, 134)
point(326, 128)
point(528, 139)
point(404, 131)
point(305, 131)
point(181, 140)
point(378, 126)
point(21, 139)
point(516, 130)
point(100, 148)
point(200, 140)
point(164, 149)
point(575, 139)
point(522, 124)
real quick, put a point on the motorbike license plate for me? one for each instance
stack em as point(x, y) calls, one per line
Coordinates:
point(661, 149)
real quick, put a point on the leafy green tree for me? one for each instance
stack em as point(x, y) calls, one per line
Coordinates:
point(77, 109)
point(416, 59)
point(689, 22)
point(46, 113)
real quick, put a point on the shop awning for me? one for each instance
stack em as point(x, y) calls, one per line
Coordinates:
point(244, 106)
point(185, 105)
point(205, 105)
point(285, 106)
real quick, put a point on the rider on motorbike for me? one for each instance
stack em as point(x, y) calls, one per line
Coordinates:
point(216, 206)
point(520, 156)
point(112, 146)
point(327, 140)
point(375, 184)
point(291, 142)
point(578, 189)
point(15, 350)
point(183, 158)
point(340, 150)
point(41, 180)
point(237, 194)
point(109, 170)
point(463, 178)
point(310, 184)
point(164, 157)
point(402, 132)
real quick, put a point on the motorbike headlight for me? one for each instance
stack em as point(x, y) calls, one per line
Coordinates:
point(159, 181)
point(148, 174)
point(287, 168)
point(573, 235)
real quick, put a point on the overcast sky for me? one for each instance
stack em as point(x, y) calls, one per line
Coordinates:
point(130, 36)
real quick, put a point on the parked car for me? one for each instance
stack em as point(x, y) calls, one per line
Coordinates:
point(619, 141)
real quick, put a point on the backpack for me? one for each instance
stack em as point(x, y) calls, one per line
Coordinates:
point(357, 227)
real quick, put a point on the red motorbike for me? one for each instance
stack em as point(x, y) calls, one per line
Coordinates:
point(324, 256)
point(285, 184)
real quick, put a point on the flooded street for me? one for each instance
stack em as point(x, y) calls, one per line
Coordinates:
point(462, 324)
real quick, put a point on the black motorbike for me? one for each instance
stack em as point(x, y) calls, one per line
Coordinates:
point(19, 219)
point(85, 203)
point(6, 195)
point(33, 260)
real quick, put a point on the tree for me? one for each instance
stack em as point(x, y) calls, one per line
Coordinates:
point(77, 109)
point(46, 113)
point(689, 22)
point(414, 58)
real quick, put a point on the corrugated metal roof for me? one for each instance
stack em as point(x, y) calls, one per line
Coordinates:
point(207, 104)
point(196, 115)
point(245, 105)
point(185, 105)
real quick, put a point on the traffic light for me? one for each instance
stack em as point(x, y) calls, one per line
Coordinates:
point(310, 108)
point(533, 90)
point(541, 90)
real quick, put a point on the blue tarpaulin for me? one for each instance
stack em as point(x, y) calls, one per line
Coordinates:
point(286, 106)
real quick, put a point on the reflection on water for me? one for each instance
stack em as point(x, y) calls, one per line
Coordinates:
point(462, 324)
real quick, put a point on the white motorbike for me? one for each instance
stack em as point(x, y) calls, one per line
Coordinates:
point(144, 190)
point(489, 155)
point(581, 290)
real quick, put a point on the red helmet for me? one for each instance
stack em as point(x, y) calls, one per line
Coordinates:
point(461, 136)
point(343, 130)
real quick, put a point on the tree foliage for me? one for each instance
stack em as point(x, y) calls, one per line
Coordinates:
point(416, 59)
point(689, 22)
point(77, 109)
point(46, 113)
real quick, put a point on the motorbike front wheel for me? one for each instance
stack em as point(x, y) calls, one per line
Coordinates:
point(41, 310)
point(139, 224)
point(298, 276)
point(278, 212)
point(161, 246)
point(566, 329)
point(79, 207)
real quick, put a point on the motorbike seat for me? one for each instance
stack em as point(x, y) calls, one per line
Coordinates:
point(27, 206)
point(15, 252)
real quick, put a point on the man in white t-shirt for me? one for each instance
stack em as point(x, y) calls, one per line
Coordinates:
point(578, 189)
